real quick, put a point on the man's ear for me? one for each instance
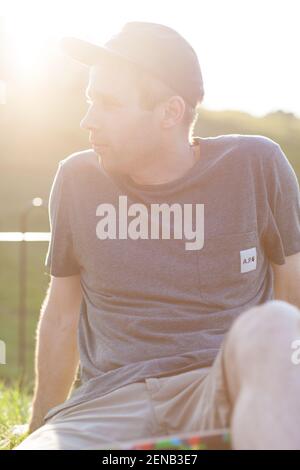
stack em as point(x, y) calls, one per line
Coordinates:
point(174, 110)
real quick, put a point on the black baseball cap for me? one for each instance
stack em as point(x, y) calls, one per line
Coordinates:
point(158, 49)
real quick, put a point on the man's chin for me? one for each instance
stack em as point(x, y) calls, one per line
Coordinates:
point(109, 166)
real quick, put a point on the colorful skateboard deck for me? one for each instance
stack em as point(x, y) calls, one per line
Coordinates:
point(212, 440)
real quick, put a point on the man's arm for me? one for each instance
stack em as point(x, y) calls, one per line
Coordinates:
point(287, 280)
point(56, 359)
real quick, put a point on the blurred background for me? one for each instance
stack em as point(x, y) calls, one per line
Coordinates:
point(249, 54)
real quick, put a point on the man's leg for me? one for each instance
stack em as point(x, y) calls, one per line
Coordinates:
point(121, 415)
point(263, 381)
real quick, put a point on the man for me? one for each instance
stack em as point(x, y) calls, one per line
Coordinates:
point(182, 257)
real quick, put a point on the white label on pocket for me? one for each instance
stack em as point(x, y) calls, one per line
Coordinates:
point(248, 260)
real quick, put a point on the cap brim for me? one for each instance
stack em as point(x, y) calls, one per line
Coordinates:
point(85, 52)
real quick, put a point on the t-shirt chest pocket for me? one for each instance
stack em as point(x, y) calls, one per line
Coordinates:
point(229, 269)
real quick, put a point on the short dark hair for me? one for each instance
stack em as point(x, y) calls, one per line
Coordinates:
point(152, 92)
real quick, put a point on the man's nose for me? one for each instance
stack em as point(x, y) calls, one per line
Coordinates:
point(89, 122)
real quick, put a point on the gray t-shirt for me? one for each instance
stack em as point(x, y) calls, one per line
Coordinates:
point(151, 307)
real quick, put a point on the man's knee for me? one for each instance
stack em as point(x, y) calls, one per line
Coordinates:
point(259, 336)
point(263, 324)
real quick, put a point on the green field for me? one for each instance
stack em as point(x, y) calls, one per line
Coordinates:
point(14, 411)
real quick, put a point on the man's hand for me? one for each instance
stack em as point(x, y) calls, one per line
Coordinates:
point(35, 423)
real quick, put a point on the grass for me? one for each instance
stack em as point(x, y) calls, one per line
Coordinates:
point(14, 415)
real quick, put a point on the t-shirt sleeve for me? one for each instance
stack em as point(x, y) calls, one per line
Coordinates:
point(282, 229)
point(60, 258)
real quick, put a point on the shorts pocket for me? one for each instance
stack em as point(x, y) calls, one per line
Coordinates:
point(230, 269)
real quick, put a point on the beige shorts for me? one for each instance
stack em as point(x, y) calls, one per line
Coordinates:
point(188, 402)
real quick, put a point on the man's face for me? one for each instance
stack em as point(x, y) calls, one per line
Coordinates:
point(121, 132)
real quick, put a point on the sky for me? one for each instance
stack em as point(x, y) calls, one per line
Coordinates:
point(248, 50)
